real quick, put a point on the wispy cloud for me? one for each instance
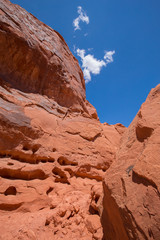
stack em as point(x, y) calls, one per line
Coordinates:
point(91, 65)
point(82, 17)
point(109, 56)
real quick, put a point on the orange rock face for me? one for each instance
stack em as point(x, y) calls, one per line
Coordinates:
point(35, 58)
point(52, 162)
point(132, 183)
point(55, 154)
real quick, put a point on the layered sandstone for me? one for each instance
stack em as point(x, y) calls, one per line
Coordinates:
point(53, 150)
point(132, 183)
point(55, 154)
point(52, 162)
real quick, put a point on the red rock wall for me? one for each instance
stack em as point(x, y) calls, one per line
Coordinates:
point(132, 183)
point(53, 150)
point(55, 154)
point(35, 58)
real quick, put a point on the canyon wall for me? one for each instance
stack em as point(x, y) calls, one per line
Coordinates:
point(63, 174)
point(132, 183)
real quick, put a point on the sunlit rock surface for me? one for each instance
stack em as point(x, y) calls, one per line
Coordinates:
point(55, 154)
point(132, 183)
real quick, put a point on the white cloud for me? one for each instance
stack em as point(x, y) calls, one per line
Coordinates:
point(109, 56)
point(91, 65)
point(82, 17)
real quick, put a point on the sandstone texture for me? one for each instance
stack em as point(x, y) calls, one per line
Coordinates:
point(35, 58)
point(52, 163)
point(54, 152)
point(63, 174)
point(132, 183)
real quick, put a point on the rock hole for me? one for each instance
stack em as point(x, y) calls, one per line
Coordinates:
point(104, 169)
point(143, 133)
point(56, 171)
point(10, 191)
point(62, 214)
point(52, 207)
point(23, 175)
point(49, 190)
point(43, 161)
point(26, 148)
point(54, 149)
point(97, 198)
point(93, 211)
point(9, 207)
point(35, 148)
point(71, 215)
point(47, 222)
point(3, 155)
point(64, 161)
point(51, 160)
point(10, 164)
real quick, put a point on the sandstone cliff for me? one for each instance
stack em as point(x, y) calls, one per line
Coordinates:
point(54, 152)
point(35, 58)
point(132, 183)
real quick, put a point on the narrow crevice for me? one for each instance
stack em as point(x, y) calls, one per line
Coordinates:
point(49, 190)
point(93, 211)
point(123, 187)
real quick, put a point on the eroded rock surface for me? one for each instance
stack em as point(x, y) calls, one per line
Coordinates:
point(132, 183)
point(52, 162)
point(35, 58)
point(54, 152)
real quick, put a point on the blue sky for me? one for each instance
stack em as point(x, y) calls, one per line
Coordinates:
point(131, 28)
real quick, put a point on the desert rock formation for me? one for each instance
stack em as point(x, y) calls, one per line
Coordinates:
point(53, 150)
point(132, 183)
point(55, 154)
point(35, 58)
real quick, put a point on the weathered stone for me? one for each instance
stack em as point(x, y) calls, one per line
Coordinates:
point(53, 150)
point(55, 154)
point(132, 183)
